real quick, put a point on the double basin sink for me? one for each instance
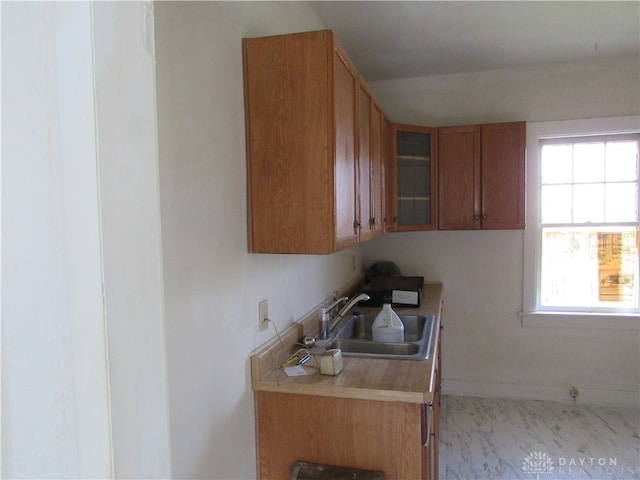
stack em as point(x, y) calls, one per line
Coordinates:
point(354, 338)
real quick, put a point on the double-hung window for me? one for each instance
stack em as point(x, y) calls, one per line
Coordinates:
point(583, 226)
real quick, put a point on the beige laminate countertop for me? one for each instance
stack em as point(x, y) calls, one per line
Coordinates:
point(362, 378)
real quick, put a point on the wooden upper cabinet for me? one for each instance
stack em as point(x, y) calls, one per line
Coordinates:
point(503, 175)
point(387, 159)
point(459, 177)
point(378, 158)
point(346, 194)
point(370, 169)
point(364, 163)
point(411, 178)
point(301, 126)
point(481, 176)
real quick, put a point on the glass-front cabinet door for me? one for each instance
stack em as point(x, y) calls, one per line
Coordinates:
point(412, 176)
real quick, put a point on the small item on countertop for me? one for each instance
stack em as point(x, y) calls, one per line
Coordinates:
point(299, 358)
point(295, 371)
point(304, 359)
point(309, 341)
point(331, 362)
point(387, 327)
point(292, 360)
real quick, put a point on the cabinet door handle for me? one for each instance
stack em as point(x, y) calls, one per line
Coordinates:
point(476, 217)
point(427, 424)
point(484, 216)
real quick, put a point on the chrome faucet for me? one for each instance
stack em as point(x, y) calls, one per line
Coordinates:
point(324, 315)
point(327, 324)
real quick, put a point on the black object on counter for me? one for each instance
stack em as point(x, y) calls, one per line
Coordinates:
point(382, 269)
point(398, 291)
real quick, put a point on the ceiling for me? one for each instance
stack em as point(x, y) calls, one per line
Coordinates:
point(400, 39)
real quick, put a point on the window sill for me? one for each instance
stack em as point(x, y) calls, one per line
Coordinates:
point(620, 321)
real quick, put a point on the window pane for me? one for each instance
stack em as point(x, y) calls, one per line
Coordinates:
point(622, 161)
point(556, 204)
point(588, 203)
point(589, 267)
point(556, 164)
point(621, 202)
point(569, 268)
point(617, 267)
point(588, 162)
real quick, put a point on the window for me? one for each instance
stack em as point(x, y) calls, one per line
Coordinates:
point(589, 223)
point(583, 219)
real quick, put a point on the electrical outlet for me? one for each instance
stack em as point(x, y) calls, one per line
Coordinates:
point(573, 393)
point(263, 314)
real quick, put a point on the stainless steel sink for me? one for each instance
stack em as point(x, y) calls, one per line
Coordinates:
point(354, 338)
point(375, 348)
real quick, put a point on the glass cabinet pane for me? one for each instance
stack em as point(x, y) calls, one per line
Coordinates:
point(414, 178)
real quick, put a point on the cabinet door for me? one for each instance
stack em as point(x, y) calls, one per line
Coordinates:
point(503, 171)
point(377, 180)
point(388, 175)
point(364, 162)
point(345, 84)
point(290, 123)
point(459, 178)
point(366, 434)
point(414, 178)
point(435, 446)
point(429, 462)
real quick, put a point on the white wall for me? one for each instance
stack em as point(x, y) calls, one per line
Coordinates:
point(131, 237)
point(541, 93)
point(55, 407)
point(486, 350)
point(212, 285)
point(83, 355)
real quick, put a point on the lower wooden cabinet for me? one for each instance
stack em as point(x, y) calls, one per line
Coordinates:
point(432, 447)
point(397, 438)
point(307, 422)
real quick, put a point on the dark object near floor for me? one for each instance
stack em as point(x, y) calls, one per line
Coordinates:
point(317, 471)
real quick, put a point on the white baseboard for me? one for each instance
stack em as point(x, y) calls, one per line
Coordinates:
point(587, 396)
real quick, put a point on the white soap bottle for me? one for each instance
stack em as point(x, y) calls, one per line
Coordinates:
point(387, 327)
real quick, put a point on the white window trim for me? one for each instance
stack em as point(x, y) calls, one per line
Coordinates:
point(531, 317)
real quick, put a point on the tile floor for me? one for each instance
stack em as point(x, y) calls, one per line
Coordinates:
point(484, 438)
